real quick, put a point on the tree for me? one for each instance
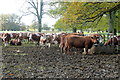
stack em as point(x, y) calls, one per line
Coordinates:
point(45, 27)
point(35, 8)
point(82, 13)
point(9, 22)
point(33, 26)
point(58, 9)
point(86, 12)
point(3, 21)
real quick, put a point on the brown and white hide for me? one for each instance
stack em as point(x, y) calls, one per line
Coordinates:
point(15, 42)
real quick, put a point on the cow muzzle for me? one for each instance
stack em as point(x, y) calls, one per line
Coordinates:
point(95, 45)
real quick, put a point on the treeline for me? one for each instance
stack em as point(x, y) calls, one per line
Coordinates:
point(11, 22)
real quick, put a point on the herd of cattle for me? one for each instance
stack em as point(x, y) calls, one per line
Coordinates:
point(91, 43)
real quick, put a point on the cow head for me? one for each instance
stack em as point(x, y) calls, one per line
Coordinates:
point(30, 37)
point(94, 40)
point(43, 39)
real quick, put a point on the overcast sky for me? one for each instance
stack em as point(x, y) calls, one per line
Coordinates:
point(14, 6)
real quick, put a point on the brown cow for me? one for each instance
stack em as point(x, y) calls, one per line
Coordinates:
point(62, 39)
point(79, 42)
point(35, 37)
point(56, 38)
point(6, 38)
point(79, 34)
point(113, 41)
point(23, 36)
point(15, 42)
point(14, 35)
point(47, 39)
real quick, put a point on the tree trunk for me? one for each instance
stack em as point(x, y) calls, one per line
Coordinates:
point(111, 22)
point(39, 25)
point(40, 17)
point(74, 30)
point(118, 20)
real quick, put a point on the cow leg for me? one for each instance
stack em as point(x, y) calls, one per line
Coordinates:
point(81, 50)
point(28, 40)
point(65, 49)
point(61, 47)
point(86, 50)
point(5, 44)
point(49, 44)
point(68, 49)
point(37, 43)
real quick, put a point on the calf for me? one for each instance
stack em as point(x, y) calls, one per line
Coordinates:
point(15, 42)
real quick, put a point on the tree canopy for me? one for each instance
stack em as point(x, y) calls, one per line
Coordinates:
point(77, 14)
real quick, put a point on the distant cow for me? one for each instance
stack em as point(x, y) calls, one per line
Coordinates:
point(56, 38)
point(47, 39)
point(113, 41)
point(14, 35)
point(23, 36)
point(79, 42)
point(6, 38)
point(35, 37)
point(15, 42)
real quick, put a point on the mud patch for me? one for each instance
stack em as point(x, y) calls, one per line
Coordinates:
point(43, 62)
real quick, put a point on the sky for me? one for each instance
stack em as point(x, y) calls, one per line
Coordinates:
point(14, 7)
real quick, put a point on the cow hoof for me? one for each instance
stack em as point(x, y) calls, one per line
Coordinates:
point(64, 53)
point(83, 53)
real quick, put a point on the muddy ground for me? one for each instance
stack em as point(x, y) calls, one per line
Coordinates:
point(43, 62)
